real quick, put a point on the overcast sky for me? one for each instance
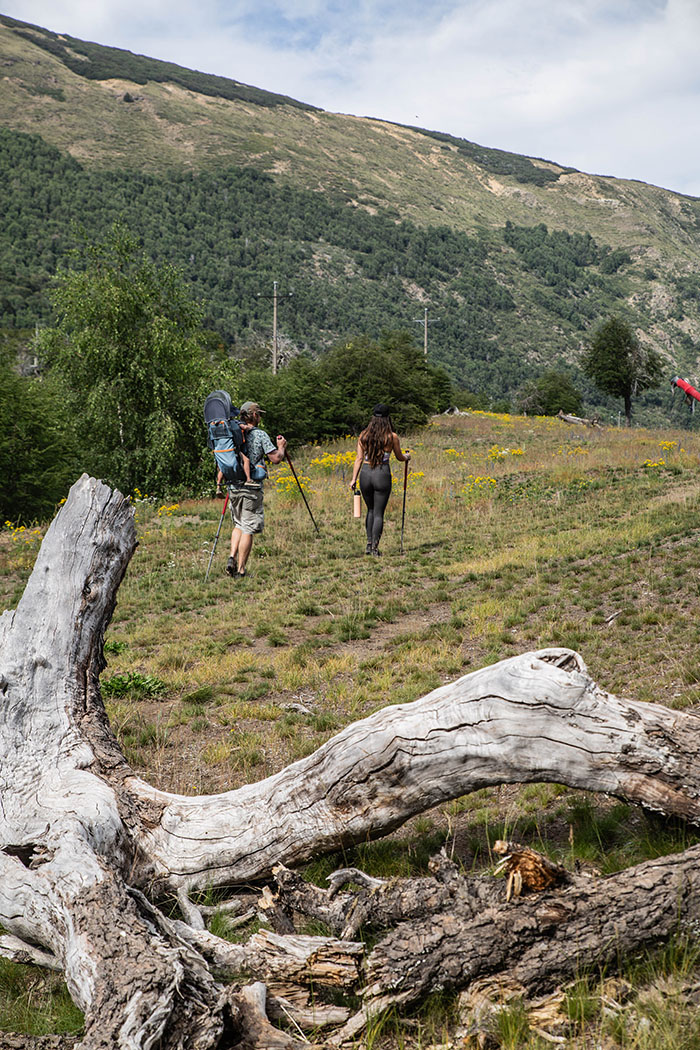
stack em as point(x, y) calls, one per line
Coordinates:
point(608, 86)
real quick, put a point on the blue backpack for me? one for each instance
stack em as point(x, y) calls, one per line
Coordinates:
point(224, 436)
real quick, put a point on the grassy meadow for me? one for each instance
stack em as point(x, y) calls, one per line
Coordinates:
point(520, 533)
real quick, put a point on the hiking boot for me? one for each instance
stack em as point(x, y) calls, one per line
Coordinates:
point(376, 552)
point(241, 575)
point(231, 569)
point(369, 549)
point(219, 494)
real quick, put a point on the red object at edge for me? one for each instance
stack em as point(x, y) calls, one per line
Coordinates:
point(686, 387)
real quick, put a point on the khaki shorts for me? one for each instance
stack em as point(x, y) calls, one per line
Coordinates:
point(247, 509)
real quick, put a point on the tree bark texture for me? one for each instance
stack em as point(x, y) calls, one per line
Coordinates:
point(86, 848)
point(450, 930)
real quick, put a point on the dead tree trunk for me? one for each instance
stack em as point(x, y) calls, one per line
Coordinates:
point(86, 847)
point(449, 930)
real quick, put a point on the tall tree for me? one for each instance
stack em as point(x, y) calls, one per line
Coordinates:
point(126, 348)
point(619, 365)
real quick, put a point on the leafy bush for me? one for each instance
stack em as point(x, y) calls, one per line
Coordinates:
point(550, 393)
point(133, 684)
point(309, 401)
point(37, 454)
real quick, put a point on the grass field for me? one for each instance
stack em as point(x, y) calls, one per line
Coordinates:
point(519, 534)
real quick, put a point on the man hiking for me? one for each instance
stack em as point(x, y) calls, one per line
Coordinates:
point(247, 498)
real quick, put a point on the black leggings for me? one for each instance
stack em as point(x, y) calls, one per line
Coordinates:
point(375, 486)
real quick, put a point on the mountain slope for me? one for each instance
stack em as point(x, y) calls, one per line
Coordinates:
point(116, 112)
point(427, 176)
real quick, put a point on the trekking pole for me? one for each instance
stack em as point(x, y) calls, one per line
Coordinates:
point(216, 538)
point(291, 467)
point(403, 513)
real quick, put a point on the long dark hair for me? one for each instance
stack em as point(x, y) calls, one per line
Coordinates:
point(376, 439)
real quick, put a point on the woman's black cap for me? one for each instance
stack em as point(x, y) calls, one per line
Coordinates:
point(380, 410)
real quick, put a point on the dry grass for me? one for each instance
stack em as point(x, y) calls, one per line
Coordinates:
point(519, 534)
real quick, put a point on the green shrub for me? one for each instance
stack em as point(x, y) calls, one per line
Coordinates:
point(133, 684)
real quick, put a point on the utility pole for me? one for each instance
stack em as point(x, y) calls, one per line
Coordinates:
point(274, 298)
point(274, 328)
point(425, 322)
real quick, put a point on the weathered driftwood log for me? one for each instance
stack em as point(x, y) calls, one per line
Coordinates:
point(390, 902)
point(566, 417)
point(85, 846)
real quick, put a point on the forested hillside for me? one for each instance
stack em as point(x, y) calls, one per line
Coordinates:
point(235, 231)
point(367, 224)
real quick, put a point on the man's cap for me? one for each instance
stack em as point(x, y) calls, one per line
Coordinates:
point(248, 407)
point(380, 410)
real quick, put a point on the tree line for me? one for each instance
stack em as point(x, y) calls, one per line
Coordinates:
point(127, 366)
point(234, 231)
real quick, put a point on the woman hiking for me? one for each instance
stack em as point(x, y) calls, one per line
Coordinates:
point(374, 447)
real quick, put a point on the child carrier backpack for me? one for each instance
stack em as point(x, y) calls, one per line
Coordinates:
point(224, 436)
